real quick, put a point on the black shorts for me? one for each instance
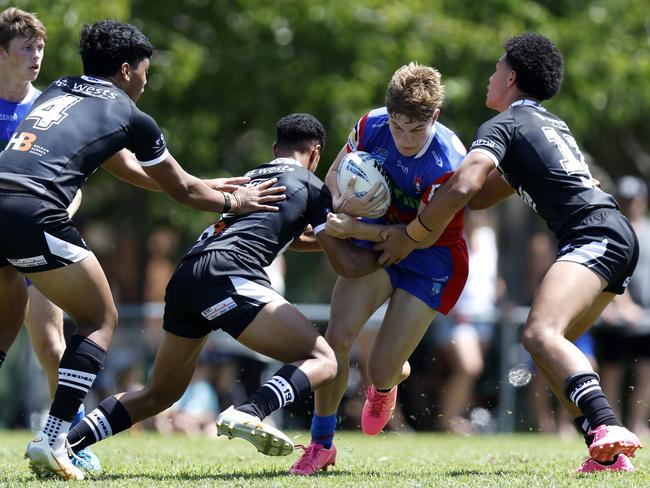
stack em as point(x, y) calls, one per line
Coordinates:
point(36, 235)
point(605, 242)
point(200, 298)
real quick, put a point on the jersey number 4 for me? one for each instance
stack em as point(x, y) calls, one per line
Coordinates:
point(53, 111)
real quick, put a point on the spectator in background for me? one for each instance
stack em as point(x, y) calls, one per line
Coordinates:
point(465, 332)
point(624, 338)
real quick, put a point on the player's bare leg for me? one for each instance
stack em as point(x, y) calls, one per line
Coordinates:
point(95, 316)
point(397, 339)
point(354, 300)
point(568, 293)
point(13, 304)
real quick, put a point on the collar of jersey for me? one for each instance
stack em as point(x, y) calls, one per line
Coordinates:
point(527, 102)
point(99, 81)
point(286, 161)
point(427, 143)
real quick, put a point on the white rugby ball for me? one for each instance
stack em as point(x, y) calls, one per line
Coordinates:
point(368, 172)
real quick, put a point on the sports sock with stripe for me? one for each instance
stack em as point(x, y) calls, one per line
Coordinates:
point(287, 385)
point(583, 389)
point(109, 418)
point(81, 362)
point(3, 355)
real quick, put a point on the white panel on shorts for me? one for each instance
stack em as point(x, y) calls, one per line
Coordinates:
point(586, 253)
point(254, 290)
point(65, 249)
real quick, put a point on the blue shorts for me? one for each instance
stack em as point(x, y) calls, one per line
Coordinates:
point(435, 275)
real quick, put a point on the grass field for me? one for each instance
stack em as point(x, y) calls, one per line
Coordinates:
point(390, 460)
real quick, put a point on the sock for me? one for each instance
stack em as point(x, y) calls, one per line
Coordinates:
point(583, 389)
point(288, 384)
point(3, 355)
point(81, 362)
point(78, 417)
point(55, 427)
point(323, 429)
point(109, 418)
point(582, 426)
point(383, 391)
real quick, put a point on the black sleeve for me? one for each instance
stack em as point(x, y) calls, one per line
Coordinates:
point(147, 140)
point(495, 135)
point(320, 203)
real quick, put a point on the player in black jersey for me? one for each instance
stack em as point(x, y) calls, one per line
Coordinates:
point(537, 157)
point(73, 128)
point(220, 283)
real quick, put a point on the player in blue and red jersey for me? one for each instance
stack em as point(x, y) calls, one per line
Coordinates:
point(418, 154)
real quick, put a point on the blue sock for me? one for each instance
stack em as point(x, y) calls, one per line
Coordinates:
point(322, 429)
point(81, 413)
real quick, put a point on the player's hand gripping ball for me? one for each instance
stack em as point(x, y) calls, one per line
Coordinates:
point(367, 172)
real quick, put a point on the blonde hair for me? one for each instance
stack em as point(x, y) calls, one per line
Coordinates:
point(415, 91)
point(15, 22)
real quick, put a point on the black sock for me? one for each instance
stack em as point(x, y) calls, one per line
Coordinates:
point(81, 362)
point(583, 389)
point(582, 426)
point(286, 386)
point(109, 418)
point(3, 355)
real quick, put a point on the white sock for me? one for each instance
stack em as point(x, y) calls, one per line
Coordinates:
point(55, 428)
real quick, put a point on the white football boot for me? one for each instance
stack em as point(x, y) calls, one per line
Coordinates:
point(45, 460)
point(268, 440)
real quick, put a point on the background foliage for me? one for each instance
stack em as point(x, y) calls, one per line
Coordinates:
point(225, 70)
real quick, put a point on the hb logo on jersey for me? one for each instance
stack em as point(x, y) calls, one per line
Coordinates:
point(21, 142)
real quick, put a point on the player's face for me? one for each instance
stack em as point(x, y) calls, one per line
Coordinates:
point(138, 79)
point(498, 86)
point(410, 135)
point(23, 58)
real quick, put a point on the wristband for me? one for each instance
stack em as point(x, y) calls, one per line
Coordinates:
point(407, 235)
point(416, 230)
point(227, 202)
point(422, 223)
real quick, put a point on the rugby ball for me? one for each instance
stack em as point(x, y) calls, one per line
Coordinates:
point(367, 171)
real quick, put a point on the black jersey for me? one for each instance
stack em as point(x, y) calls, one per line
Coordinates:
point(72, 128)
point(536, 153)
point(259, 237)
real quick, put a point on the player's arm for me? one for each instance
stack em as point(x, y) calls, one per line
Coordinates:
point(344, 200)
point(452, 196)
point(306, 242)
point(347, 259)
point(342, 226)
point(196, 193)
point(493, 191)
point(124, 166)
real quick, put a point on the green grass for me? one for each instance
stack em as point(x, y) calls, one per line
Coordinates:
point(389, 460)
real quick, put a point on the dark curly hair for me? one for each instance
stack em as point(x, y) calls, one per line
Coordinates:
point(297, 131)
point(107, 44)
point(538, 64)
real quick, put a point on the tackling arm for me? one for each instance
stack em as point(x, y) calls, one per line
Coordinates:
point(347, 259)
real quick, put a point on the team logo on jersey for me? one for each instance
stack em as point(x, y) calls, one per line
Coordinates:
point(418, 184)
point(402, 166)
point(483, 142)
point(22, 141)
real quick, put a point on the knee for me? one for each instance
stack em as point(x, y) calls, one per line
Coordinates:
point(328, 366)
point(535, 340)
point(340, 340)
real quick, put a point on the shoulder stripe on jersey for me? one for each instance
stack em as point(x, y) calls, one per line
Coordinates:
point(362, 128)
point(489, 154)
point(153, 162)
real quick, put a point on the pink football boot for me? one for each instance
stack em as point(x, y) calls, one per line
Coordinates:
point(377, 409)
point(314, 458)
